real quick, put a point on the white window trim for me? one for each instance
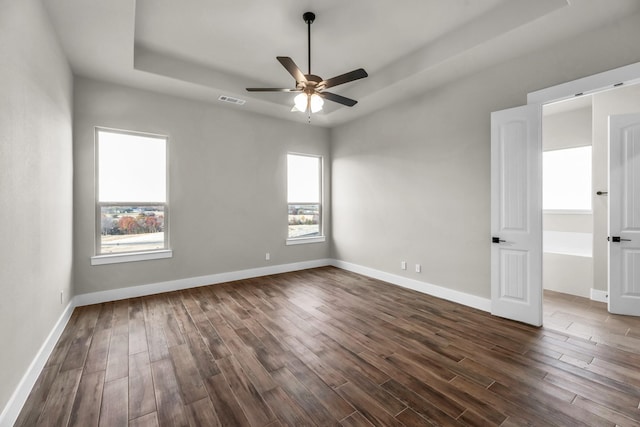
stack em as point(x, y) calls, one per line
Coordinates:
point(123, 257)
point(305, 240)
point(131, 257)
point(567, 212)
point(322, 237)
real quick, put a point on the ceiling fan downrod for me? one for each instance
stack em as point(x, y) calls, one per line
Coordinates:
point(309, 17)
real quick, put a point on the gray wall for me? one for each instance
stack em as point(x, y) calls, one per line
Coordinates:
point(227, 188)
point(35, 186)
point(412, 181)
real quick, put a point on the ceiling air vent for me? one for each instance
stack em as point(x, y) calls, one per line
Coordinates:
point(231, 100)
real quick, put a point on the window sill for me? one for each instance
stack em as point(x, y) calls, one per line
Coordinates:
point(130, 257)
point(305, 240)
point(567, 212)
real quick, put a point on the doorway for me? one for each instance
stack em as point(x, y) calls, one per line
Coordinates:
point(575, 229)
point(567, 200)
point(516, 193)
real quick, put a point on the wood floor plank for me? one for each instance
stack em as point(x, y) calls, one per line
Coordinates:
point(204, 360)
point(289, 413)
point(105, 318)
point(120, 325)
point(149, 420)
point(137, 336)
point(256, 409)
point(306, 400)
point(168, 398)
point(331, 400)
point(228, 409)
point(604, 412)
point(214, 342)
point(327, 347)
point(37, 398)
point(329, 375)
point(172, 331)
point(98, 351)
point(190, 383)
point(368, 407)
point(355, 420)
point(115, 406)
point(78, 350)
point(142, 399)
point(427, 408)
point(202, 413)
point(118, 357)
point(57, 408)
point(86, 407)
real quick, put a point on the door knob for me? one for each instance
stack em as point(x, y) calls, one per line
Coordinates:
point(497, 240)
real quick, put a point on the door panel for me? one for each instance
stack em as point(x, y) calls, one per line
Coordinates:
point(516, 221)
point(624, 214)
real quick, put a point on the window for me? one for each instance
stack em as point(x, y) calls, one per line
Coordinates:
point(131, 205)
point(566, 180)
point(304, 195)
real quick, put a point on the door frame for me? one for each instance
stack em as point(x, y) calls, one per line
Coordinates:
point(607, 80)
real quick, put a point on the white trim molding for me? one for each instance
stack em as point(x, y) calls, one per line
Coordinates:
point(192, 282)
point(305, 240)
point(17, 400)
point(469, 300)
point(600, 296)
point(130, 257)
point(629, 74)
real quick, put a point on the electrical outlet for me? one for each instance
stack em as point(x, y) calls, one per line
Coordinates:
point(267, 256)
point(418, 268)
point(403, 265)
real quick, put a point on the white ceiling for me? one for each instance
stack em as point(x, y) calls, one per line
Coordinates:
point(202, 49)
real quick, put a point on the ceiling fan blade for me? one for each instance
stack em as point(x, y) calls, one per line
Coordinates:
point(292, 68)
point(360, 73)
point(338, 98)
point(271, 89)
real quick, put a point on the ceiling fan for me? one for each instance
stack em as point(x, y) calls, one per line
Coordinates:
point(312, 87)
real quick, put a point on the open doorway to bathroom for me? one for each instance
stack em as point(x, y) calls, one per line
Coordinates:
point(575, 212)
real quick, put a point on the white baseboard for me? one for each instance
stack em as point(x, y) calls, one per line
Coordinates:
point(212, 279)
point(469, 300)
point(17, 400)
point(192, 282)
point(600, 296)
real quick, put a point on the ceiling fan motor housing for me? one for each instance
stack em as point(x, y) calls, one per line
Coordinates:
point(309, 17)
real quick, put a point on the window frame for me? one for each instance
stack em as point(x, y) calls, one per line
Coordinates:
point(321, 236)
point(100, 258)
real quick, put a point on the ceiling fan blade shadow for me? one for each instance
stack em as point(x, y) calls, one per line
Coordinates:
point(360, 73)
point(270, 89)
point(292, 68)
point(338, 98)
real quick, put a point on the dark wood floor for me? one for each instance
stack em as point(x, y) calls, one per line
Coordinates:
point(329, 347)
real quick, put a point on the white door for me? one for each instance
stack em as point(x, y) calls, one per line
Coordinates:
point(516, 207)
point(624, 214)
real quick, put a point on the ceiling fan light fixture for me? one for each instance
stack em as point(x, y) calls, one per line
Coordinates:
point(300, 102)
point(303, 102)
point(316, 103)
